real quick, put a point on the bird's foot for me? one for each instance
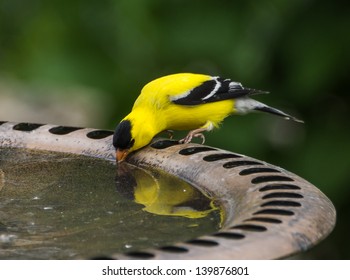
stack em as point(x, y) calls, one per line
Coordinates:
point(170, 133)
point(191, 135)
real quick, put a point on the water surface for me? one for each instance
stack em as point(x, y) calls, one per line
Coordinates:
point(63, 206)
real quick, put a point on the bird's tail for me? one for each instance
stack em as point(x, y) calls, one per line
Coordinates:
point(274, 111)
point(245, 105)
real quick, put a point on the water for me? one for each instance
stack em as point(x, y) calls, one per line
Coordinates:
point(63, 206)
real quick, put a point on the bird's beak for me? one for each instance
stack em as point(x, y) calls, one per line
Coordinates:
point(121, 155)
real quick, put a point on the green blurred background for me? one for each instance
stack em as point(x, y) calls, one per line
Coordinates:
point(84, 63)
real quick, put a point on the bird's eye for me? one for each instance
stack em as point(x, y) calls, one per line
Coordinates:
point(131, 143)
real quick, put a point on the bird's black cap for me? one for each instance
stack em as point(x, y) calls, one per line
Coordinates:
point(122, 136)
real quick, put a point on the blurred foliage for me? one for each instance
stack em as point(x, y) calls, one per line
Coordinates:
point(298, 50)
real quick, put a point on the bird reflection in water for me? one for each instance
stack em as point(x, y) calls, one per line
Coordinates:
point(163, 194)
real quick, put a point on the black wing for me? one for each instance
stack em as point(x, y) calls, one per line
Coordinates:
point(216, 89)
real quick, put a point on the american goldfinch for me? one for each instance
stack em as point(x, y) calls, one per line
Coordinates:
point(184, 101)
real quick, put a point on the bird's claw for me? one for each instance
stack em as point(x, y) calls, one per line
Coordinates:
point(189, 137)
point(170, 134)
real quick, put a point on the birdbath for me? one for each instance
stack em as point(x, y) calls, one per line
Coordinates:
point(62, 196)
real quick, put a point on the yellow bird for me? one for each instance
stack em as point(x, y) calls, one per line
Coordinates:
point(184, 101)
